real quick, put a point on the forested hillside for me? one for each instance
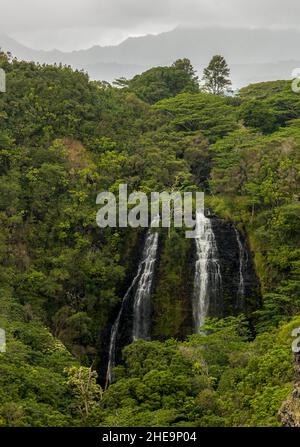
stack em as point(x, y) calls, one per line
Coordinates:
point(64, 139)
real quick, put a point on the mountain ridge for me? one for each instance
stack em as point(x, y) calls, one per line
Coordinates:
point(261, 50)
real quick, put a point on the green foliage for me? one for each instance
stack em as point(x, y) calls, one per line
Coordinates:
point(87, 392)
point(171, 310)
point(216, 76)
point(64, 139)
point(163, 82)
point(259, 116)
point(276, 98)
point(33, 387)
point(220, 379)
point(213, 115)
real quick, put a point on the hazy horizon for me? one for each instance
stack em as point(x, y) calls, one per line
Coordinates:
point(69, 25)
point(137, 36)
point(254, 55)
point(114, 38)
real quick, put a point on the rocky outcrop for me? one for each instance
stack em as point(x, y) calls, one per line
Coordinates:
point(289, 413)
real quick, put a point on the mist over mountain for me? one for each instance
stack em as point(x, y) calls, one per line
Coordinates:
point(253, 54)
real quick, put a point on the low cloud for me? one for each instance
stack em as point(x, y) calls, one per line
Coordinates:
point(71, 24)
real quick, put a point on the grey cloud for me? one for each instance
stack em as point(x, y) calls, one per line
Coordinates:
point(79, 23)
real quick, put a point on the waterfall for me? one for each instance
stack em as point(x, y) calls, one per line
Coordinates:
point(208, 280)
point(243, 260)
point(142, 304)
point(115, 330)
point(141, 321)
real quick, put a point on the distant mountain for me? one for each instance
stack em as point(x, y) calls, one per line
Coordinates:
point(18, 50)
point(254, 55)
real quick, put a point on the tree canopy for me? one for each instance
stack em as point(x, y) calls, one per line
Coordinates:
point(64, 139)
point(216, 76)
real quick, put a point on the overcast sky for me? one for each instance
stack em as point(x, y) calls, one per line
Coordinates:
point(74, 24)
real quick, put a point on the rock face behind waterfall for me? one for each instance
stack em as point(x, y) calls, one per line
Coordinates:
point(240, 286)
point(173, 287)
point(172, 284)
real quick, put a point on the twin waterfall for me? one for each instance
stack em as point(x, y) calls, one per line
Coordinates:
point(208, 279)
point(142, 284)
point(214, 270)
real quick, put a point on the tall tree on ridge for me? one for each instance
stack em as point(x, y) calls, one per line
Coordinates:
point(216, 76)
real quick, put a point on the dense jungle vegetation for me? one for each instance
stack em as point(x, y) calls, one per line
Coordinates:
point(64, 139)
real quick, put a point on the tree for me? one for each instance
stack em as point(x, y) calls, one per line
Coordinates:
point(162, 82)
point(259, 115)
point(121, 82)
point(216, 76)
point(83, 382)
point(186, 66)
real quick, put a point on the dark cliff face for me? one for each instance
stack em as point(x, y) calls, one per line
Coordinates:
point(171, 300)
point(173, 285)
point(233, 249)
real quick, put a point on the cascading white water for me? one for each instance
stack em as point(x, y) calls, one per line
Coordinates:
point(142, 304)
point(243, 259)
point(141, 318)
point(208, 280)
point(114, 332)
